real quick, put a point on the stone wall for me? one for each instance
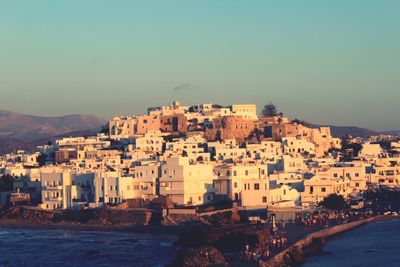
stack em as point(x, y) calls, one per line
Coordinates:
point(289, 256)
point(230, 127)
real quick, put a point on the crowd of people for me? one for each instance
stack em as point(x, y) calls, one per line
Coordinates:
point(326, 218)
point(278, 241)
point(276, 244)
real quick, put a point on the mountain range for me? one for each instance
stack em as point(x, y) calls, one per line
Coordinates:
point(340, 131)
point(28, 128)
point(21, 131)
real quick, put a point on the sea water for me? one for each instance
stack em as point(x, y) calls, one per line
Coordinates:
point(41, 247)
point(375, 244)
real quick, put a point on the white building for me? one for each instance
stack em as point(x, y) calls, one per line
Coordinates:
point(187, 182)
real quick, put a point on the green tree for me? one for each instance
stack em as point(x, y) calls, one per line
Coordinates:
point(104, 129)
point(6, 183)
point(334, 202)
point(269, 110)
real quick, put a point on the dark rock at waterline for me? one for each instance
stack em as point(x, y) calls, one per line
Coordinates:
point(315, 248)
point(32, 215)
point(199, 256)
point(295, 256)
point(232, 238)
point(100, 216)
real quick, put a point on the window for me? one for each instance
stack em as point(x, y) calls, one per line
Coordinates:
point(264, 199)
point(257, 186)
point(234, 173)
point(246, 172)
point(357, 174)
point(323, 189)
point(235, 184)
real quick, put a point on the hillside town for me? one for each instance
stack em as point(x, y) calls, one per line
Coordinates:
point(199, 155)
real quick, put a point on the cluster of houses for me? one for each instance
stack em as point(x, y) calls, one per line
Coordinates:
point(196, 155)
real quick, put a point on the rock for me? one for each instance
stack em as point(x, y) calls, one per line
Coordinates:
point(296, 256)
point(131, 203)
point(230, 238)
point(199, 256)
point(29, 214)
point(315, 248)
point(161, 202)
point(115, 216)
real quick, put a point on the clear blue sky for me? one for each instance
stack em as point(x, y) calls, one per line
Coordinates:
point(324, 61)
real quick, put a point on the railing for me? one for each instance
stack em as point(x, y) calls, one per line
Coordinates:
point(53, 199)
point(53, 187)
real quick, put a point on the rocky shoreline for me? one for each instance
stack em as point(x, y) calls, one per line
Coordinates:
point(200, 244)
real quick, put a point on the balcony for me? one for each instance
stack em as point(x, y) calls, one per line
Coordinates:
point(53, 187)
point(80, 200)
point(172, 190)
point(53, 198)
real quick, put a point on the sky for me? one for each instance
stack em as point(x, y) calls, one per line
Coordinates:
point(330, 62)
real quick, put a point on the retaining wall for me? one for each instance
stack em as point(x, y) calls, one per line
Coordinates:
point(282, 258)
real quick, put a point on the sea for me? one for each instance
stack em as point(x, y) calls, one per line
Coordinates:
point(375, 244)
point(42, 247)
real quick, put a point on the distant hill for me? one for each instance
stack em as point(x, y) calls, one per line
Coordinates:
point(394, 132)
point(27, 128)
point(340, 131)
point(10, 145)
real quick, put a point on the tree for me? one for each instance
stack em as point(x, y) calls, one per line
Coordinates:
point(299, 121)
point(104, 129)
point(334, 202)
point(41, 159)
point(269, 110)
point(6, 183)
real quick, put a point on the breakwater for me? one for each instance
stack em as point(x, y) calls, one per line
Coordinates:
point(296, 254)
